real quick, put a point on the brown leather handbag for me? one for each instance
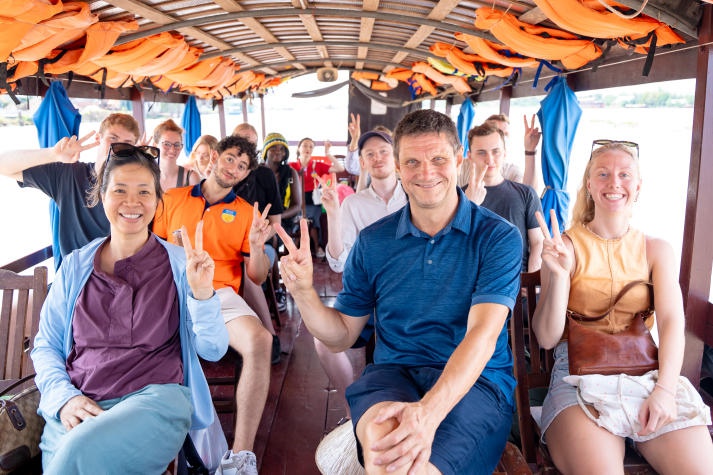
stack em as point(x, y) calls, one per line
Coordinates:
point(631, 351)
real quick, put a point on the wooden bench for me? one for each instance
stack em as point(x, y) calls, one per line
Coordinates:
point(533, 367)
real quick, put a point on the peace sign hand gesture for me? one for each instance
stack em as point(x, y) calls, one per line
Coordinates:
point(555, 255)
point(68, 149)
point(354, 128)
point(330, 197)
point(532, 134)
point(199, 265)
point(296, 266)
point(260, 230)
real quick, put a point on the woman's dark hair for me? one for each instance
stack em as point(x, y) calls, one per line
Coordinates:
point(113, 162)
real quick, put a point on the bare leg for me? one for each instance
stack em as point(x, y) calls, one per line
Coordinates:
point(687, 451)
point(255, 298)
point(573, 438)
point(338, 368)
point(249, 338)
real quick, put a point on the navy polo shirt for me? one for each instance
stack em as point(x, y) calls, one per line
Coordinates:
point(422, 287)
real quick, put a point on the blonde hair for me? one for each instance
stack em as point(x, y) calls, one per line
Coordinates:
point(583, 211)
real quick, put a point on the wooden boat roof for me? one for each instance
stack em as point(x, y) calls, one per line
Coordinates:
point(229, 47)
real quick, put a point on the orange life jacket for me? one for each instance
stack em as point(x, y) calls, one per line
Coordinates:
point(536, 41)
point(496, 53)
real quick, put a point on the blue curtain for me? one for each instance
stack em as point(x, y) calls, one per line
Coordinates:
point(55, 119)
point(559, 116)
point(465, 122)
point(191, 123)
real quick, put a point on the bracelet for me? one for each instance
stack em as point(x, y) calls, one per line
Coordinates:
point(665, 389)
point(530, 153)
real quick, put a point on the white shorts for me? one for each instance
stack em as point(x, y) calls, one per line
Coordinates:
point(232, 305)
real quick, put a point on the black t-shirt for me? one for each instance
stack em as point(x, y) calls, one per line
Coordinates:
point(261, 186)
point(517, 203)
point(68, 184)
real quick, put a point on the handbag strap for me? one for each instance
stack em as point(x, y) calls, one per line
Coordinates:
point(582, 318)
point(17, 383)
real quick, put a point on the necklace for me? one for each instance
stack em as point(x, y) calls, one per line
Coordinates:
point(602, 237)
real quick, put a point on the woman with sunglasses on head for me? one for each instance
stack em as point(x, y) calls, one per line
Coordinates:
point(120, 332)
point(583, 271)
point(168, 137)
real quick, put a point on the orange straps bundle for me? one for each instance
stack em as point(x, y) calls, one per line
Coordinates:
point(536, 41)
point(458, 83)
point(495, 53)
point(576, 17)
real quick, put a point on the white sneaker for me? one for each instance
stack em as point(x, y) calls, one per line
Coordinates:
point(242, 463)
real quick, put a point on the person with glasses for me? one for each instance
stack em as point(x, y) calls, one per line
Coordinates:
point(234, 233)
point(583, 271)
point(120, 332)
point(168, 137)
point(58, 173)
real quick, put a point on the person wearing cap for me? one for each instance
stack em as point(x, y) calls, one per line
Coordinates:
point(275, 153)
point(383, 197)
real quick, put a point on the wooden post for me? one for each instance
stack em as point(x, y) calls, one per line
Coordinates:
point(505, 96)
point(221, 117)
point(137, 109)
point(697, 253)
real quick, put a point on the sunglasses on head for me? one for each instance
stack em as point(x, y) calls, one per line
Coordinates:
point(601, 142)
point(120, 149)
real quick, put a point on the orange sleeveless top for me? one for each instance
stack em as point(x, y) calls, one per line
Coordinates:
point(603, 267)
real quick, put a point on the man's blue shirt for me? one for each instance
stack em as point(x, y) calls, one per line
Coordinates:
point(421, 288)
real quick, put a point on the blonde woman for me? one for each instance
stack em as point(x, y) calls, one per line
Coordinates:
point(583, 270)
point(203, 155)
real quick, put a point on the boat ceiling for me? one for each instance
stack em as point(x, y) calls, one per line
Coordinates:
point(261, 43)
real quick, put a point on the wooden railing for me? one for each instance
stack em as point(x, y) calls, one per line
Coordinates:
point(29, 260)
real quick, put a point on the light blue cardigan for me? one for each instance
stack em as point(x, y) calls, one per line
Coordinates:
point(202, 333)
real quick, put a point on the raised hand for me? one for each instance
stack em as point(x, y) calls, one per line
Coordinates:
point(555, 256)
point(296, 266)
point(260, 229)
point(327, 147)
point(476, 183)
point(532, 134)
point(68, 149)
point(354, 129)
point(199, 265)
point(330, 197)
point(143, 140)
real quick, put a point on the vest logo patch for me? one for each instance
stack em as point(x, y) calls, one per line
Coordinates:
point(228, 215)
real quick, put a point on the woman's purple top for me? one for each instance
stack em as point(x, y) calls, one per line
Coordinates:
point(126, 327)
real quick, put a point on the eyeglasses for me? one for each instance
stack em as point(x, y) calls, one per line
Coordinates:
point(120, 149)
point(176, 145)
point(601, 142)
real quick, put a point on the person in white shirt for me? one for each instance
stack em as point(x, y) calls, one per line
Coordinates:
point(383, 197)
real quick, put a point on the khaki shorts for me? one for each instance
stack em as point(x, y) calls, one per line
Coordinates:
point(232, 305)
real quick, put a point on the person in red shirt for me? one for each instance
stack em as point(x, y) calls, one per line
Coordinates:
point(307, 165)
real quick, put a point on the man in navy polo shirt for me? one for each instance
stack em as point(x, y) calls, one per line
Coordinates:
point(441, 276)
